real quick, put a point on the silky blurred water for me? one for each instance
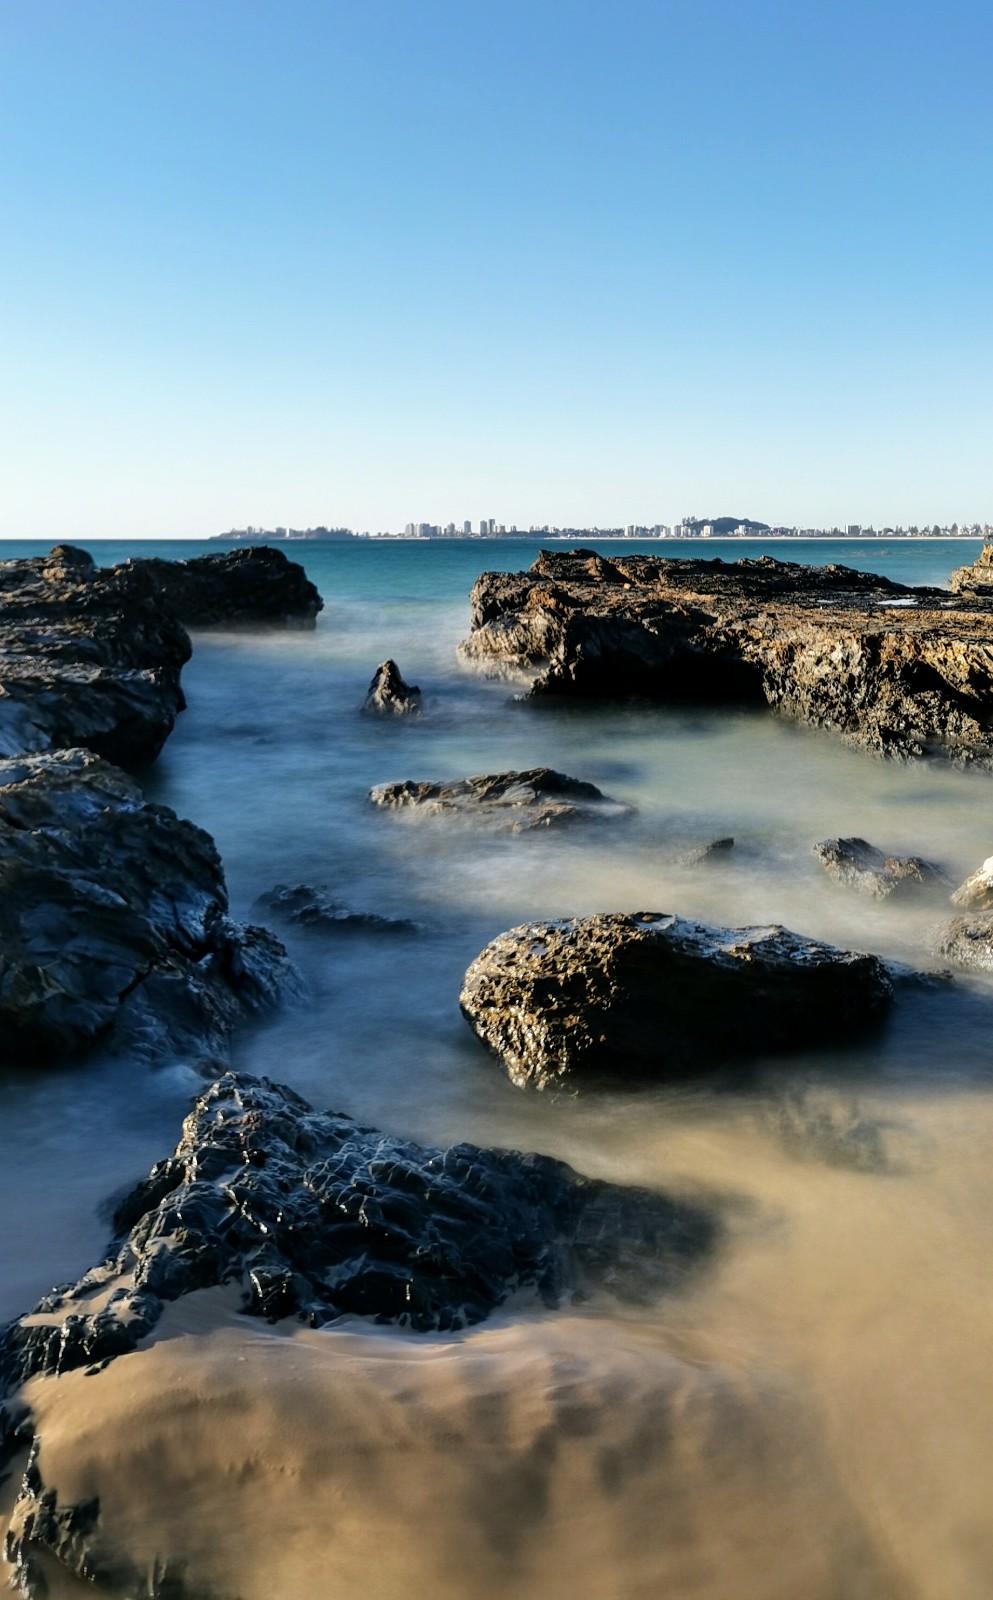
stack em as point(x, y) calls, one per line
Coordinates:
point(856, 1182)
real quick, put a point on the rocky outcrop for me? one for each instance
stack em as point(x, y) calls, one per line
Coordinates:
point(859, 865)
point(302, 905)
point(704, 852)
point(113, 922)
point(899, 671)
point(976, 893)
point(968, 941)
point(252, 588)
point(518, 802)
point(976, 579)
point(389, 696)
point(88, 657)
point(314, 1217)
point(606, 998)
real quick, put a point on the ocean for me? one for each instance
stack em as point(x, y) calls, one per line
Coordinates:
point(829, 1367)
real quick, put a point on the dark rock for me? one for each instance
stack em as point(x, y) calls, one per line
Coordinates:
point(610, 997)
point(968, 941)
point(516, 801)
point(315, 1217)
point(303, 906)
point(113, 921)
point(88, 657)
point(900, 671)
point(389, 696)
point(976, 893)
point(251, 588)
point(860, 866)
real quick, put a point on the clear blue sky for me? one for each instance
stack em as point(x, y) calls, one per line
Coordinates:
point(375, 261)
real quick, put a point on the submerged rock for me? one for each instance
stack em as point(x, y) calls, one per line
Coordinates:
point(389, 696)
point(860, 866)
point(303, 906)
point(113, 921)
point(615, 996)
point(709, 852)
point(314, 1217)
point(900, 671)
point(252, 588)
point(976, 893)
point(516, 801)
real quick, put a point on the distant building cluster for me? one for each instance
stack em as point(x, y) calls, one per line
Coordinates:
point(687, 528)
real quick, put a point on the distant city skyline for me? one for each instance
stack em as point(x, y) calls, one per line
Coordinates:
point(580, 265)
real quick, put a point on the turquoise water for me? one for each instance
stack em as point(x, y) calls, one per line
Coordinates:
point(831, 1284)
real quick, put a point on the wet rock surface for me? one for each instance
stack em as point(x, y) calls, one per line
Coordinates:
point(113, 921)
point(976, 893)
point(88, 657)
point(900, 671)
point(390, 696)
point(967, 941)
point(515, 801)
point(252, 588)
point(860, 866)
point(604, 999)
point(303, 905)
point(315, 1217)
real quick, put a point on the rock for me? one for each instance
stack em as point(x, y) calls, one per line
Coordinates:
point(615, 996)
point(860, 866)
point(968, 941)
point(389, 696)
point(314, 1217)
point(977, 578)
point(303, 906)
point(258, 587)
point(899, 671)
point(976, 893)
point(113, 922)
point(516, 801)
point(89, 657)
point(695, 855)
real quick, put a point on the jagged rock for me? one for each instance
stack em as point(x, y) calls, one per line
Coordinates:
point(303, 906)
point(88, 657)
point(977, 578)
point(900, 671)
point(252, 588)
point(113, 921)
point(315, 1217)
point(968, 941)
point(607, 997)
point(860, 866)
point(516, 801)
point(389, 696)
point(976, 893)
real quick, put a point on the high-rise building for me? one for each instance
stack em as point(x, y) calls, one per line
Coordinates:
point(467, 526)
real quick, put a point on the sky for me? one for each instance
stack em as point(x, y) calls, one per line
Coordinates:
point(383, 261)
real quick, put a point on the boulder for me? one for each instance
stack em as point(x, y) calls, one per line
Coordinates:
point(968, 941)
point(860, 866)
point(616, 996)
point(389, 696)
point(113, 922)
point(89, 657)
point(706, 852)
point(251, 588)
point(900, 671)
point(517, 802)
point(301, 905)
point(314, 1217)
point(976, 893)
